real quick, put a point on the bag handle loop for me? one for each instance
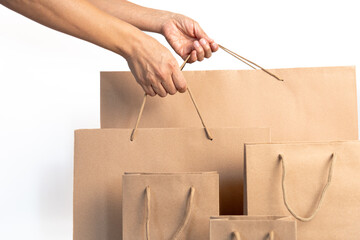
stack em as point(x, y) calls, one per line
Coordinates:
point(322, 196)
point(248, 62)
point(188, 212)
point(207, 132)
point(236, 235)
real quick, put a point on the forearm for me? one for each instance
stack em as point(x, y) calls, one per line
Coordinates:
point(81, 19)
point(146, 19)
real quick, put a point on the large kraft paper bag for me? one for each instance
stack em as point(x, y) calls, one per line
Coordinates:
point(317, 183)
point(167, 206)
point(252, 228)
point(311, 104)
point(103, 155)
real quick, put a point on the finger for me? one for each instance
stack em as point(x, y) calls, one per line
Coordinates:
point(200, 33)
point(193, 57)
point(207, 49)
point(169, 86)
point(159, 89)
point(149, 91)
point(214, 46)
point(199, 51)
point(179, 80)
point(152, 91)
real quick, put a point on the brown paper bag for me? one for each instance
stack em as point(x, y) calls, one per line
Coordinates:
point(252, 228)
point(310, 105)
point(317, 183)
point(167, 206)
point(103, 155)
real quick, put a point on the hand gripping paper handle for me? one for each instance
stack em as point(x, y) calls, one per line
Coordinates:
point(207, 132)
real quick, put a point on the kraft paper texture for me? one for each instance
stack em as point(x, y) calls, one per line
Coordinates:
point(103, 155)
point(169, 195)
point(252, 228)
point(312, 104)
point(307, 171)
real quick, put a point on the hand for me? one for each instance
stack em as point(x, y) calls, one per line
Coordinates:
point(187, 37)
point(154, 67)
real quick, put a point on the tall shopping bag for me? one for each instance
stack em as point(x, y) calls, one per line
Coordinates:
point(311, 104)
point(166, 206)
point(317, 183)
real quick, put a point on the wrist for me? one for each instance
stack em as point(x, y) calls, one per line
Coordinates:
point(168, 19)
point(128, 41)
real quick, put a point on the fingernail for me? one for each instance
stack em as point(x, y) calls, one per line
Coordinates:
point(203, 41)
point(197, 44)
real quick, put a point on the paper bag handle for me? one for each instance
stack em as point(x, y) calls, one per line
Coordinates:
point(207, 132)
point(249, 63)
point(208, 135)
point(322, 196)
point(189, 208)
point(236, 235)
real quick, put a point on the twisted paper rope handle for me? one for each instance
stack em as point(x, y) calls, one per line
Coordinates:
point(189, 208)
point(322, 196)
point(207, 132)
point(249, 63)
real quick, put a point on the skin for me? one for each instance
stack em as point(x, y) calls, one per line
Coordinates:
point(118, 26)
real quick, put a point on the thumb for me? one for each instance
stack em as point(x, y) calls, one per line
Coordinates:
point(179, 80)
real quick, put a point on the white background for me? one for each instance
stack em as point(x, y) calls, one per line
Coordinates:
point(50, 86)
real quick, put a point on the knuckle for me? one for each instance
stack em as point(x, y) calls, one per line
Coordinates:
point(161, 74)
point(148, 75)
point(171, 67)
point(149, 78)
point(153, 81)
point(174, 65)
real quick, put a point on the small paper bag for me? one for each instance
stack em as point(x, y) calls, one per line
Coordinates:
point(252, 228)
point(317, 183)
point(165, 206)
